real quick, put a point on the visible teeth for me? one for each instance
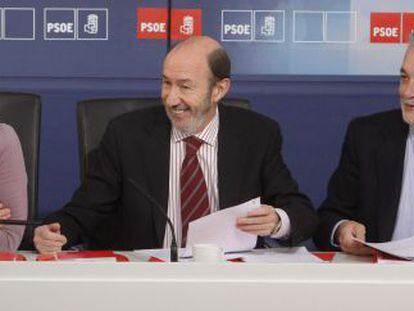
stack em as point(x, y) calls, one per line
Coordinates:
point(180, 109)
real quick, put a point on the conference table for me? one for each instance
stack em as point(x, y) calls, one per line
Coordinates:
point(344, 283)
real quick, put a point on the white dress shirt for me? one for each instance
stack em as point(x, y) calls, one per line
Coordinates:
point(207, 156)
point(404, 225)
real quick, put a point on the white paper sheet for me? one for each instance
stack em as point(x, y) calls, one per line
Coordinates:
point(96, 259)
point(269, 255)
point(277, 255)
point(401, 248)
point(220, 229)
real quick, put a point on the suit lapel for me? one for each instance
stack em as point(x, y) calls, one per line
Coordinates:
point(158, 178)
point(229, 161)
point(389, 168)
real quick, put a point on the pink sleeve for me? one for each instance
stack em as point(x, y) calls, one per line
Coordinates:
point(13, 186)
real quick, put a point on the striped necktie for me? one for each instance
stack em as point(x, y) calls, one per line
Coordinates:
point(194, 198)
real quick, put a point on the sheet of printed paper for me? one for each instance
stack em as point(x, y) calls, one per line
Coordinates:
point(400, 248)
point(220, 229)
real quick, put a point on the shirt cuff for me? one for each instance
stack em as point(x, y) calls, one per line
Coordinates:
point(334, 232)
point(283, 229)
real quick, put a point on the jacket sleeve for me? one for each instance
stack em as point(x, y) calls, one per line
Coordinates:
point(341, 200)
point(13, 186)
point(282, 191)
point(98, 197)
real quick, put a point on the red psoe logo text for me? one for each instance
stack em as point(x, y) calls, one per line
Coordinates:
point(152, 23)
point(385, 27)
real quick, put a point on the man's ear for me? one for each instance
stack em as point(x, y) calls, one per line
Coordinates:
point(220, 90)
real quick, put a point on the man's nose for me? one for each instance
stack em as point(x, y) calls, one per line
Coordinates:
point(172, 98)
point(408, 89)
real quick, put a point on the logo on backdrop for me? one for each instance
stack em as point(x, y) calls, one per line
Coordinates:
point(91, 27)
point(92, 24)
point(187, 28)
point(269, 27)
point(75, 24)
point(152, 23)
point(257, 25)
point(391, 27)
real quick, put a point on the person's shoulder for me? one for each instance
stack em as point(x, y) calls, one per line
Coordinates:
point(371, 129)
point(138, 118)
point(378, 120)
point(8, 136)
point(6, 130)
point(249, 119)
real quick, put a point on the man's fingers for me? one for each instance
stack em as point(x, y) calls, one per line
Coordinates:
point(357, 249)
point(255, 227)
point(50, 244)
point(55, 227)
point(48, 239)
point(359, 232)
point(262, 210)
point(5, 213)
point(260, 221)
point(52, 236)
point(260, 229)
point(49, 250)
point(347, 232)
point(257, 212)
point(254, 220)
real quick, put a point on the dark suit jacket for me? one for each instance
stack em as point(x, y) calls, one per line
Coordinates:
point(366, 185)
point(137, 145)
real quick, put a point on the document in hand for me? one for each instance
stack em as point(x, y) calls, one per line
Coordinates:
point(403, 249)
point(220, 229)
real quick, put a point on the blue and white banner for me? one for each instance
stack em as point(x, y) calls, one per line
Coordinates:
point(127, 39)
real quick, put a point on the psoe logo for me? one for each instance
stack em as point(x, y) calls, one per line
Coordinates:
point(236, 25)
point(186, 23)
point(391, 27)
point(92, 25)
point(152, 23)
point(269, 27)
point(59, 24)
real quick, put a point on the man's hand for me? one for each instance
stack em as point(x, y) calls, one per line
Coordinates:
point(259, 221)
point(5, 212)
point(48, 239)
point(346, 232)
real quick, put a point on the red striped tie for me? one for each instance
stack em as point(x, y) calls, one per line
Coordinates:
point(194, 198)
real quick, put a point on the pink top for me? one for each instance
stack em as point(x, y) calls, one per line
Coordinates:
point(13, 186)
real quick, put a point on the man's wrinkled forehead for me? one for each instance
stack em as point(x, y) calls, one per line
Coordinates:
point(408, 62)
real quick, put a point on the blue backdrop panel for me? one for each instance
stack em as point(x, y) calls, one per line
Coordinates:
point(62, 48)
point(311, 88)
point(322, 37)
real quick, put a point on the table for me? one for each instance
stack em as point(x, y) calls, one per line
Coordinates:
point(350, 283)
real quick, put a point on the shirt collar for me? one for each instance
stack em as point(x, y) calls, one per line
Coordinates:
point(208, 135)
point(411, 133)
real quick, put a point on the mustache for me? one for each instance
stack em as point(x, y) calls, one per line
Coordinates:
point(179, 106)
point(408, 101)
